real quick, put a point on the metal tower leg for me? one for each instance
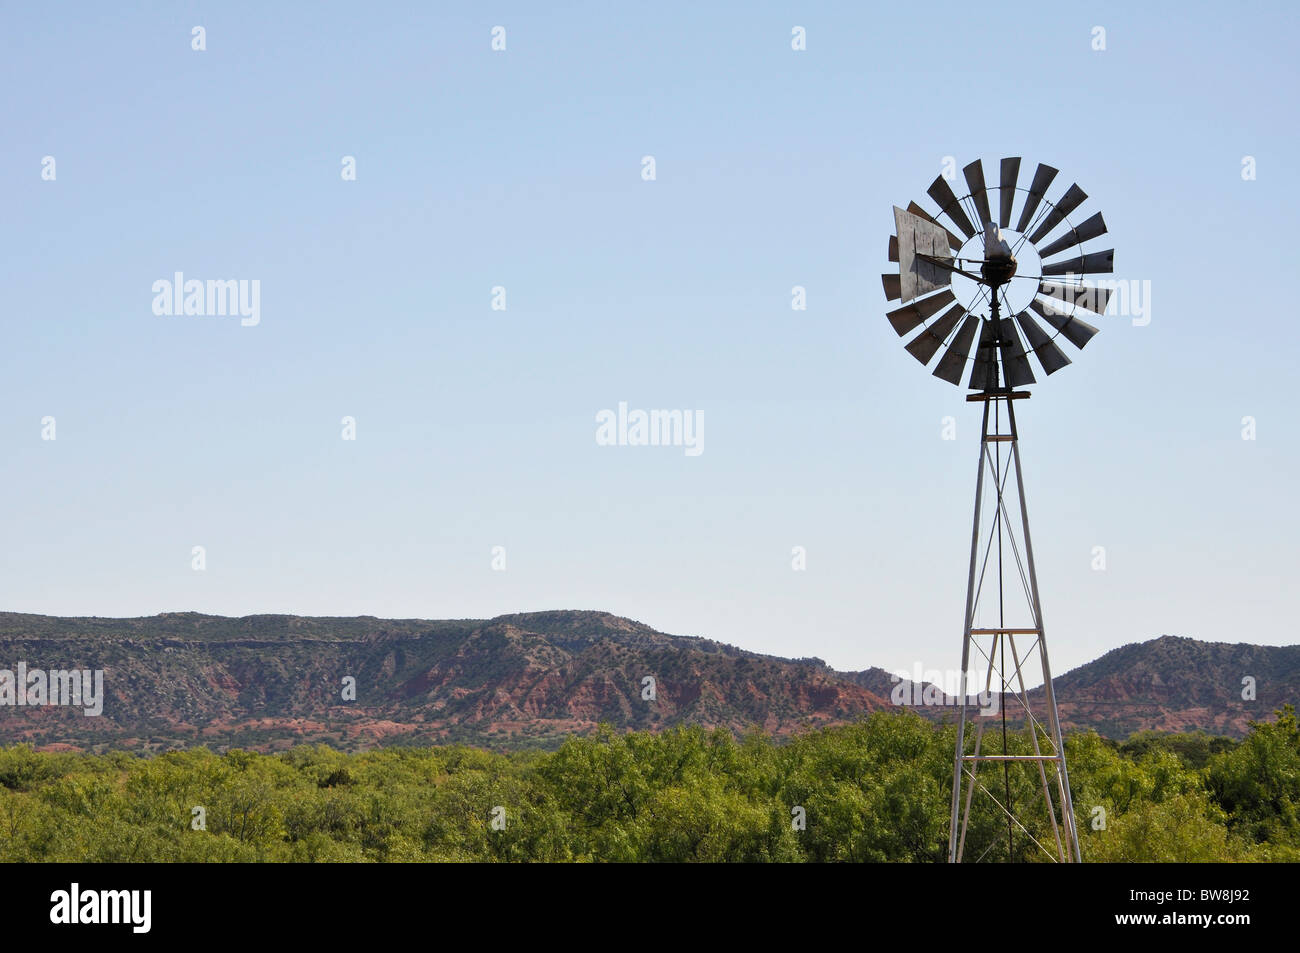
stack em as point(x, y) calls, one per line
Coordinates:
point(954, 851)
point(1045, 750)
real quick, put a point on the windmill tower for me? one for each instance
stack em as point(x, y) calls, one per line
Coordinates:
point(1011, 791)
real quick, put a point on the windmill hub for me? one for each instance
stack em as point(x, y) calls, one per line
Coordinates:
point(999, 265)
point(998, 271)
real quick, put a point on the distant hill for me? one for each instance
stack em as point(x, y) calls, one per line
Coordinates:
point(264, 681)
point(270, 681)
point(1177, 684)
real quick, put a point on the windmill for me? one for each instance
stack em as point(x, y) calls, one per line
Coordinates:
point(1022, 280)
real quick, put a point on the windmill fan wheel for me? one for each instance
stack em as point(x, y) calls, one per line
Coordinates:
point(989, 252)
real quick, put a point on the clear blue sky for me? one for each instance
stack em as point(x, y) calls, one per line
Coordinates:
point(476, 428)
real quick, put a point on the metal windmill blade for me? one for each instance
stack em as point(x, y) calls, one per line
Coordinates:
point(1007, 190)
point(984, 374)
point(1092, 228)
point(979, 192)
point(948, 204)
point(953, 362)
point(1072, 199)
point(906, 318)
point(1037, 189)
point(1077, 331)
point(1100, 262)
point(1049, 355)
point(1089, 297)
point(924, 346)
point(1015, 365)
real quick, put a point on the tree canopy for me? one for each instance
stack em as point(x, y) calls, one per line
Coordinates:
point(877, 790)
